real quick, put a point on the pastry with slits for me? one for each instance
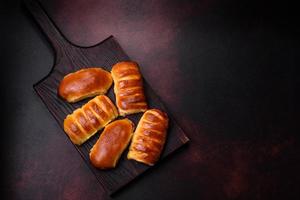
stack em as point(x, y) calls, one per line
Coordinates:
point(128, 88)
point(84, 122)
point(149, 137)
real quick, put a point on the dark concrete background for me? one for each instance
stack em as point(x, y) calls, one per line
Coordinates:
point(225, 69)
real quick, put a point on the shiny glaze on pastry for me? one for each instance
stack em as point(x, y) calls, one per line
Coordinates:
point(128, 88)
point(84, 83)
point(149, 137)
point(111, 144)
point(91, 117)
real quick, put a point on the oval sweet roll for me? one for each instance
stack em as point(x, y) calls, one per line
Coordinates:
point(84, 83)
point(128, 88)
point(111, 144)
point(84, 122)
point(149, 137)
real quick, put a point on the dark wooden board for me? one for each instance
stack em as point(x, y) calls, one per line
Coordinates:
point(69, 58)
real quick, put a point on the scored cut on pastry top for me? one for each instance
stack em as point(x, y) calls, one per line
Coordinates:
point(84, 122)
point(149, 137)
point(128, 88)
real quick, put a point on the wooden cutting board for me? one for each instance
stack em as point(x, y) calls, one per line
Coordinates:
point(69, 58)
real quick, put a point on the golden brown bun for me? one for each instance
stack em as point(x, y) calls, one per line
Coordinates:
point(84, 83)
point(128, 88)
point(87, 120)
point(111, 144)
point(149, 137)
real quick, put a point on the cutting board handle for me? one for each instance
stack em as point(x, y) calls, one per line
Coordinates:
point(54, 35)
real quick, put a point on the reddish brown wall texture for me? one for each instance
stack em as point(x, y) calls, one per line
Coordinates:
point(225, 69)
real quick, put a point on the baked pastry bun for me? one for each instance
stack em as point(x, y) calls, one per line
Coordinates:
point(84, 122)
point(84, 83)
point(149, 137)
point(128, 88)
point(111, 144)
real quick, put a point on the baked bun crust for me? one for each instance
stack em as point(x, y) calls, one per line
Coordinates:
point(84, 122)
point(128, 88)
point(149, 137)
point(84, 83)
point(111, 144)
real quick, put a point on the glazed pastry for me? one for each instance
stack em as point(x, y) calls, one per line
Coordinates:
point(84, 83)
point(128, 88)
point(149, 137)
point(84, 122)
point(111, 144)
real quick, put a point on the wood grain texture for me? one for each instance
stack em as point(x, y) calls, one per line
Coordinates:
point(69, 58)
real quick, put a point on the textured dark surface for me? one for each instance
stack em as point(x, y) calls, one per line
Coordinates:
point(225, 69)
point(70, 58)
